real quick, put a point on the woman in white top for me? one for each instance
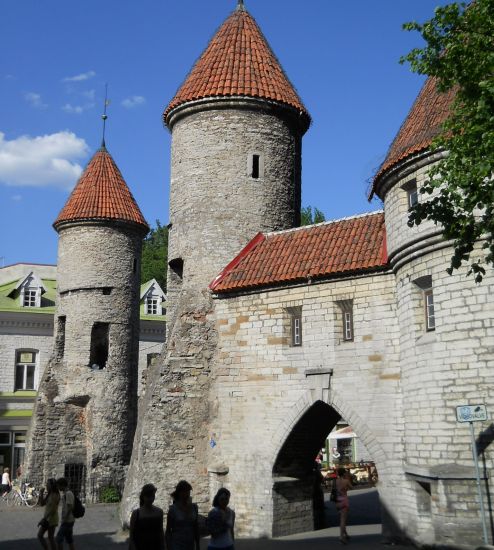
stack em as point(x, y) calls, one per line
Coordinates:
point(6, 483)
point(221, 522)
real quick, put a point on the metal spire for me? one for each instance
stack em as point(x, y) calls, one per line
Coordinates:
point(104, 116)
point(240, 5)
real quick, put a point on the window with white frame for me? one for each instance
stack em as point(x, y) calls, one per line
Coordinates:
point(151, 305)
point(25, 370)
point(430, 320)
point(346, 307)
point(295, 326)
point(30, 297)
point(410, 189)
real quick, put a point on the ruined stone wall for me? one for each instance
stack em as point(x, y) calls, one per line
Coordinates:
point(263, 387)
point(441, 369)
point(84, 415)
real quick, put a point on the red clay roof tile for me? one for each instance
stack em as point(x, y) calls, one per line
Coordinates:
point(322, 250)
point(101, 193)
point(238, 62)
point(422, 125)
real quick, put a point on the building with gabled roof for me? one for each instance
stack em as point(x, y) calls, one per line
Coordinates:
point(26, 344)
point(276, 333)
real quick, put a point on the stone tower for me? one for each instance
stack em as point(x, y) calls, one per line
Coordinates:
point(445, 324)
point(85, 414)
point(237, 125)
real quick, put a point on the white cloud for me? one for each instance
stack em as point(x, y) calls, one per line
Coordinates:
point(133, 101)
point(35, 100)
point(77, 109)
point(80, 77)
point(42, 161)
point(16, 198)
point(89, 94)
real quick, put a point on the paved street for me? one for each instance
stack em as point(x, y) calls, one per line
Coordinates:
point(99, 529)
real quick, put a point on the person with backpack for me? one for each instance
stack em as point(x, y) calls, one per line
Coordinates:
point(65, 531)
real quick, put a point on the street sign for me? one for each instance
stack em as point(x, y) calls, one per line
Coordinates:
point(471, 413)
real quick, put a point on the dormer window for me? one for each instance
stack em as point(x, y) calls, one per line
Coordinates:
point(151, 305)
point(30, 297)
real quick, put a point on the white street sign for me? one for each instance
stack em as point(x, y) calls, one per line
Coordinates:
point(471, 413)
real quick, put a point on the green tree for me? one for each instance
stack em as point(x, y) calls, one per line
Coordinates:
point(154, 255)
point(307, 217)
point(459, 52)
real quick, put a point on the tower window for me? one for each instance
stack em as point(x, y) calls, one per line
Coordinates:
point(430, 320)
point(99, 346)
point(410, 189)
point(134, 266)
point(177, 267)
point(60, 341)
point(25, 368)
point(255, 166)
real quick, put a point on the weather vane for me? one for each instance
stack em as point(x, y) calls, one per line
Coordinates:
point(104, 116)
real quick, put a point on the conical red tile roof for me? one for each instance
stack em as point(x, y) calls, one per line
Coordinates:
point(101, 193)
point(422, 125)
point(238, 62)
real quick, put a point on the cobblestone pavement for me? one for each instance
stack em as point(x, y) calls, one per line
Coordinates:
point(99, 529)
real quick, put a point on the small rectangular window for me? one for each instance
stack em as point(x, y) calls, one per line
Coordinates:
point(430, 320)
point(296, 326)
point(412, 193)
point(348, 325)
point(99, 346)
point(255, 166)
point(4, 438)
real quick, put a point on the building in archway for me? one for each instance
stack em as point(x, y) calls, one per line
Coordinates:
point(275, 331)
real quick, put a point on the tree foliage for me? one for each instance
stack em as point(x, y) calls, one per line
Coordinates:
point(459, 192)
point(307, 217)
point(154, 255)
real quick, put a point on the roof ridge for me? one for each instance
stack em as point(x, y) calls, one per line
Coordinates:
point(327, 222)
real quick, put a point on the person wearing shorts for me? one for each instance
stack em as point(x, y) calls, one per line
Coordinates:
point(65, 531)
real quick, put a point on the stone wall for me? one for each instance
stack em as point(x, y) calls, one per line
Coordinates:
point(441, 369)
point(216, 207)
point(85, 415)
point(263, 388)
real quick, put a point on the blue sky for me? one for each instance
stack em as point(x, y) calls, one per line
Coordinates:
point(341, 56)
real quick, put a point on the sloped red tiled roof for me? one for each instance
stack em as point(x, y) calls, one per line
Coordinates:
point(101, 193)
point(238, 62)
point(317, 251)
point(422, 125)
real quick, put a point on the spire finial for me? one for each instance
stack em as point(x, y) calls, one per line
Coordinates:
point(104, 116)
point(240, 5)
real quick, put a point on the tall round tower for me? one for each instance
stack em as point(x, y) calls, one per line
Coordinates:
point(446, 332)
point(86, 410)
point(237, 124)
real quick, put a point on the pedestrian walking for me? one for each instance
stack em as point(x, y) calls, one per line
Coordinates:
point(49, 521)
point(6, 481)
point(343, 483)
point(221, 522)
point(65, 532)
point(146, 523)
point(182, 522)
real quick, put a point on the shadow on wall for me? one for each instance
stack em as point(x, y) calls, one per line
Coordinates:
point(484, 439)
